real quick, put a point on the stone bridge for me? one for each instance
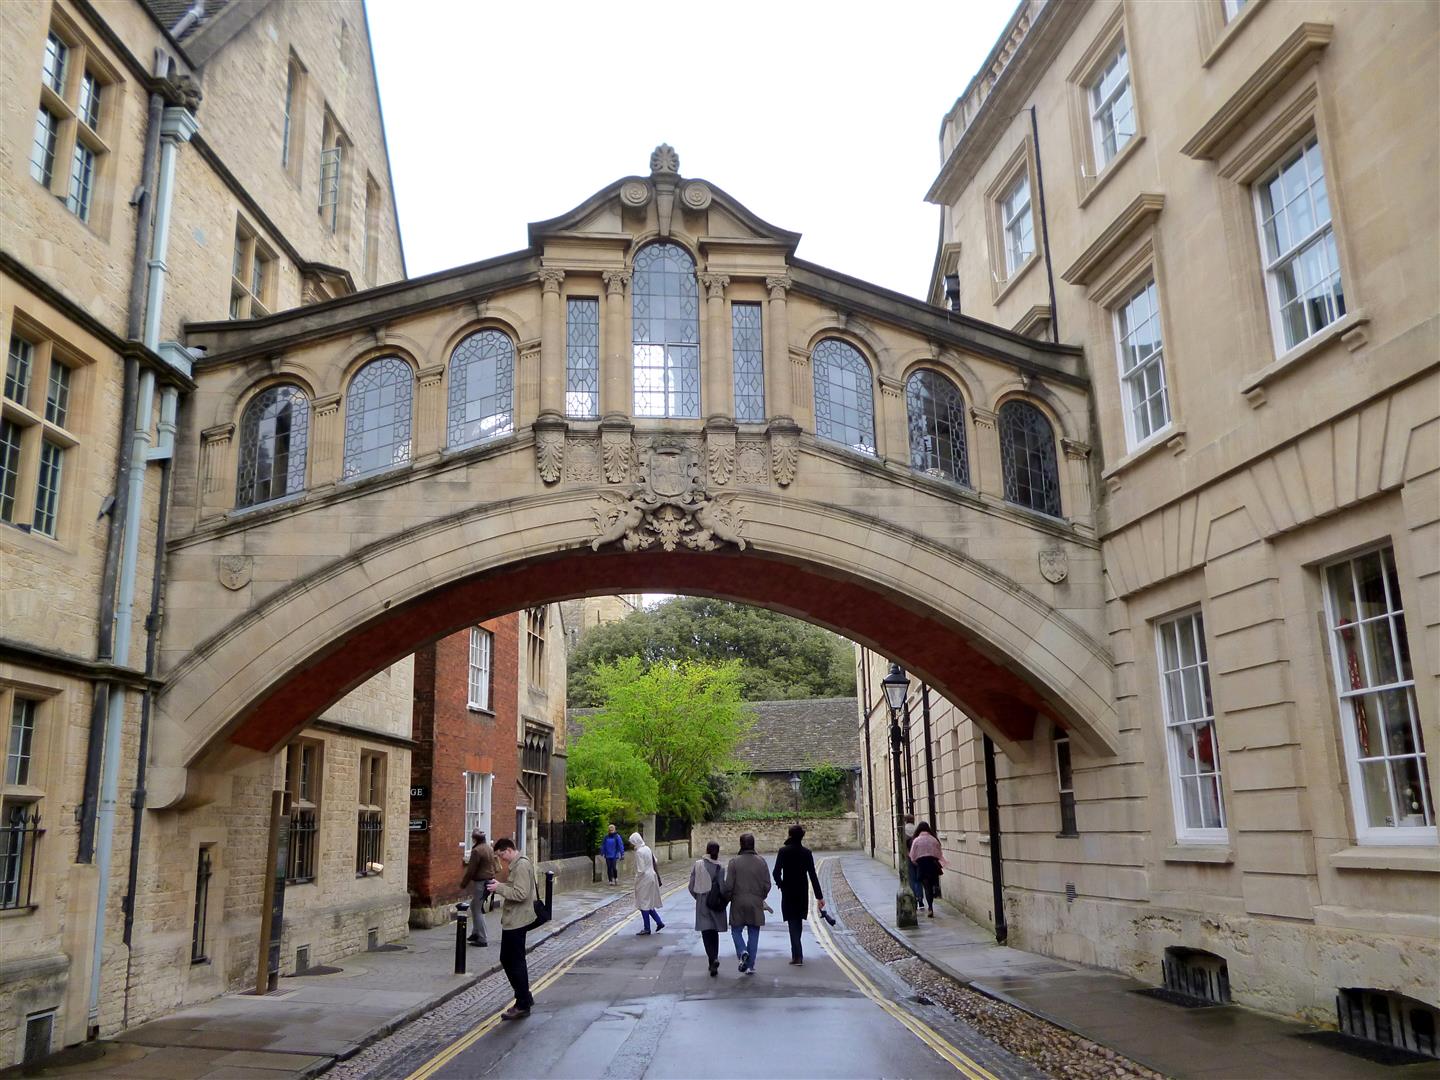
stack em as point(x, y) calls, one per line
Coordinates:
point(655, 395)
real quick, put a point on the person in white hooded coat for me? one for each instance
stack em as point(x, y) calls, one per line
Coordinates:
point(647, 885)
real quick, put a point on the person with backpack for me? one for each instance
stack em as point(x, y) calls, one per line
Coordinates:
point(707, 886)
point(795, 874)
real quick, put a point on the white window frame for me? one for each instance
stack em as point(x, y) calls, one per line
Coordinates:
point(1365, 832)
point(1015, 260)
point(1063, 738)
point(1316, 237)
point(1100, 108)
point(1193, 621)
point(1123, 333)
point(1231, 9)
point(482, 659)
point(479, 792)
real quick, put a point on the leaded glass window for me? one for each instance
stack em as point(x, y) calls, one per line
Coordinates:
point(1027, 458)
point(47, 488)
point(274, 432)
point(582, 357)
point(377, 417)
point(666, 322)
point(42, 152)
point(482, 385)
point(936, 414)
point(749, 358)
point(844, 396)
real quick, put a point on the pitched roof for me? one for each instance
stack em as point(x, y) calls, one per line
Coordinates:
point(788, 735)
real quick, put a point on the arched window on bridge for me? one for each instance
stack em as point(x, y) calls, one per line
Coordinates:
point(1027, 458)
point(936, 414)
point(482, 381)
point(378, 417)
point(666, 323)
point(274, 432)
point(844, 396)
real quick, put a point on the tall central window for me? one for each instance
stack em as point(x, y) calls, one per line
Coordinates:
point(666, 333)
point(482, 399)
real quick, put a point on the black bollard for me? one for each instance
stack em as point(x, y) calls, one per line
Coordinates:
point(549, 891)
point(460, 939)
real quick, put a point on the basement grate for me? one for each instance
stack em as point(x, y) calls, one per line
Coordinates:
point(1176, 997)
point(39, 1030)
point(1364, 1048)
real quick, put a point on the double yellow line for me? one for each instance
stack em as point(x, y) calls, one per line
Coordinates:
point(964, 1064)
point(491, 1022)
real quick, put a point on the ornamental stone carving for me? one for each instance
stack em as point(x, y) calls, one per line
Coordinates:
point(714, 285)
point(582, 461)
point(550, 279)
point(664, 160)
point(616, 452)
point(669, 508)
point(778, 287)
point(722, 463)
point(750, 466)
point(696, 195)
point(635, 193)
point(234, 571)
point(615, 281)
point(1054, 566)
point(549, 453)
point(785, 455)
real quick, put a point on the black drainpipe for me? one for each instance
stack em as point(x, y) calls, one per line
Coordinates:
point(909, 764)
point(929, 757)
point(997, 866)
point(1044, 228)
point(869, 780)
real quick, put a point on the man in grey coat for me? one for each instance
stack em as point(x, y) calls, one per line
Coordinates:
point(747, 883)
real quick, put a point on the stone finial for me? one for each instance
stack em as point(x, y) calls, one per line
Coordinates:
point(664, 161)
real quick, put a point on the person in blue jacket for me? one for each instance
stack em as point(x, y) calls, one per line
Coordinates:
point(613, 848)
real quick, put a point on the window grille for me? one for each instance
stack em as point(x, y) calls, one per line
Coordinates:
point(582, 357)
point(378, 417)
point(1027, 458)
point(1302, 265)
point(302, 781)
point(198, 951)
point(665, 309)
point(20, 836)
point(1191, 742)
point(481, 650)
point(370, 824)
point(482, 380)
point(747, 347)
point(330, 186)
point(1388, 1018)
point(1197, 974)
point(935, 410)
point(1142, 364)
point(1384, 744)
point(844, 396)
point(1112, 107)
point(303, 827)
point(1065, 783)
point(39, 1034)
point(1017, 224)
point(274, 433)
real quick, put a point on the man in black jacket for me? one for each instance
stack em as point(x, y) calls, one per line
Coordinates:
point(795, 873)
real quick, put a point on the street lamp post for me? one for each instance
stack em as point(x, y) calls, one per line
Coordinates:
point(897, 687)
point(795, 791)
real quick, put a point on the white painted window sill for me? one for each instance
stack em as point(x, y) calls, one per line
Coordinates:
point(1005, 287)
point(1418, 859)
point(1199, 853)
point(1111, 168)
point(1341, 327)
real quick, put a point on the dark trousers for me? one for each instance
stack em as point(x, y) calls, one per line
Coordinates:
point(711, 938)
point(611, 871)
point(512, 959)
point(795, 927)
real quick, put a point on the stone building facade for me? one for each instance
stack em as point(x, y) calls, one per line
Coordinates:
point(1197, 195)
point(476, 717)
point(138, 137)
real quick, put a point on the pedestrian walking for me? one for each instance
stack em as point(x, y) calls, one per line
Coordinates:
point(479, 872)
point(912, 872)
point(927, 857)
point(647, 885)
point(795, 874)
point(613, 849)
point(707, 880)
point(517, 889)
point(747, 883)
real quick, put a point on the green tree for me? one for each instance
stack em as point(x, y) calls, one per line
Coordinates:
point(780, 658)
point(598, 808)
point(600, 760)
point(684, 720)
point(823, 787)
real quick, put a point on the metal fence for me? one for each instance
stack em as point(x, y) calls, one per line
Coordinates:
point(564, 839)
point(19, 837)
point(671, 828)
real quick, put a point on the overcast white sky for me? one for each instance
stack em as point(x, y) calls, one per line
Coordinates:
point(821, 118)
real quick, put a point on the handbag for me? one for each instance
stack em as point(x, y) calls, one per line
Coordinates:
point(715, 898)
point(542, 909)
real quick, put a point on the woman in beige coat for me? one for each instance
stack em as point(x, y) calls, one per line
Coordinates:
point(647, 885)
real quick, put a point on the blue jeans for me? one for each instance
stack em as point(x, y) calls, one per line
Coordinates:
point(739, 933)
point(649, 914)
point(915, 882)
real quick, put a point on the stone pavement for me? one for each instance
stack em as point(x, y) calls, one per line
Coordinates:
point(1224, 1041)
point(310, 1021)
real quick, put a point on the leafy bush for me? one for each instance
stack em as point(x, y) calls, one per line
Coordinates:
point(603, 761)
point(823, 787)
point(598, 808)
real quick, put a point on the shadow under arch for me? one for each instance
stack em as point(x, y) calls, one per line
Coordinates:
point(976, 637)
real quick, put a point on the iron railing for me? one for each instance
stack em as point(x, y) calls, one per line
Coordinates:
point(369, 843)
point(198, 952)
point(670, 828)
point(19, 841)
point(564, 839)
point(303, 826)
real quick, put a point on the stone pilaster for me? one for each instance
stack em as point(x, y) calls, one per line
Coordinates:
point(552, 344)
point(718, 403)
point(985, 455)
point(217, 469)
point(892, 435)
point(777, 352)
point(1079, 505)
point(615, 390)
point(327, 442)
point(430, 428)
point(527, 383)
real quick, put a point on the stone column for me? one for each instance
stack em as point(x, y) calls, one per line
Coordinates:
point(326, 442)
point(985, 455)
point(552, 344)
point(615, 390)
point(777, 353)
point(429, 412)
point(1078, 506)
point(892, 437)
point(718, 387)
point(217, 470)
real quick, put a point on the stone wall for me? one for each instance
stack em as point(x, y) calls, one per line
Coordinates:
point(821, 834)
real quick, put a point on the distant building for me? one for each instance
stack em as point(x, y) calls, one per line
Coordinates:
point(585, 613)
point(789, 739)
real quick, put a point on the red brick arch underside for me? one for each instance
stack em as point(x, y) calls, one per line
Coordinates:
point(988, 687)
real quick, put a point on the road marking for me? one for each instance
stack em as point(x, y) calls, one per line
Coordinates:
point(965, 1064)
point(491, 1022)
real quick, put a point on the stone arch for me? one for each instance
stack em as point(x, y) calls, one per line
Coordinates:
point(979, 637)
point(453, 331)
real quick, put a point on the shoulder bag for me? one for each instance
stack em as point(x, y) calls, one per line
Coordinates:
point(715, 898)
point(542, 909)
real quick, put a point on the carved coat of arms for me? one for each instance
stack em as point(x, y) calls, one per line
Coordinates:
point(234, 571)
point(669, 508)
point(1054, 566)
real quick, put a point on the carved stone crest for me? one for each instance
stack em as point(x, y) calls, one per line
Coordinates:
point(669, 507)
point(549, 453)
point(583, 461)
point(234, 571)
point(1054, 566)
point(670, 470)
point(750, 464)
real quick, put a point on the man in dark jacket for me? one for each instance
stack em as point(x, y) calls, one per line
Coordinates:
point(479, 872)
point(746, 884)
point(613, 849)
point(795, 873)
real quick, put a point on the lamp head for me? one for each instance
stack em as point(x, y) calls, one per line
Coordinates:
point(897, 687)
